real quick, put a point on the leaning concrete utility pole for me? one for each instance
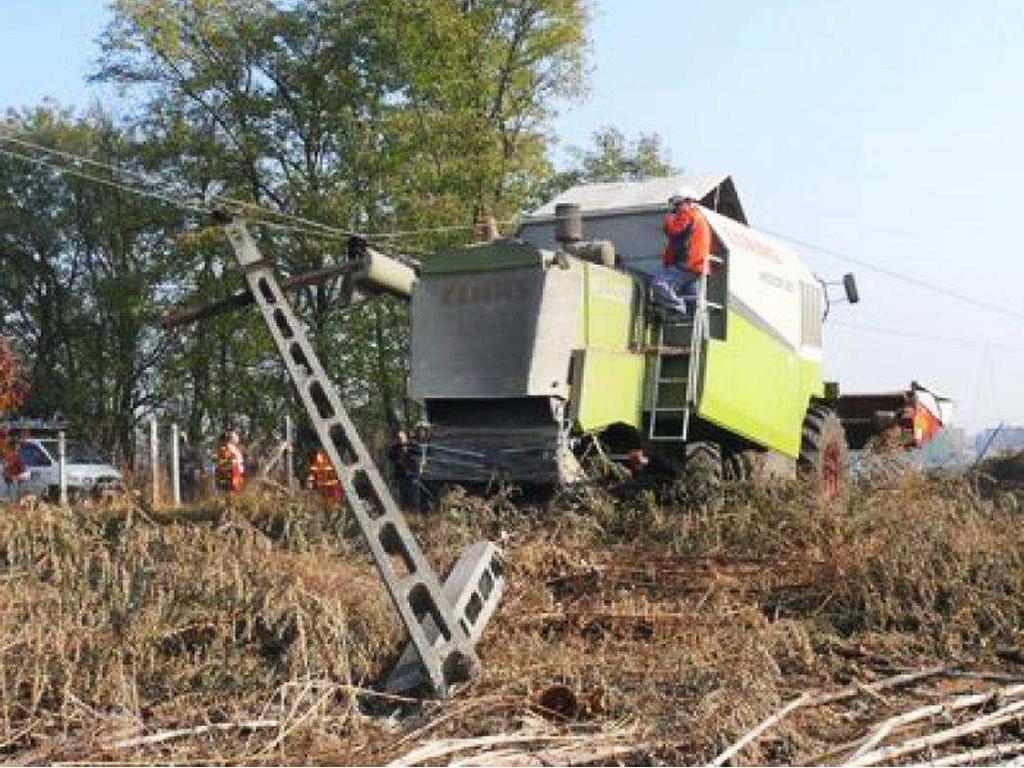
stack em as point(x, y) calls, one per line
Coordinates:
point(442, 629)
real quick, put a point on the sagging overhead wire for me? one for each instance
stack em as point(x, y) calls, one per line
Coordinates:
point(905, 334)
point(274, 219)
point(8, 136)
point(254, 211)
point(257, 213)
point(909, 279)
point(175, 202)
point(111, 183)
point(202, 209)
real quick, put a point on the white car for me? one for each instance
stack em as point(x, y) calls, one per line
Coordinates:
point(89, 475)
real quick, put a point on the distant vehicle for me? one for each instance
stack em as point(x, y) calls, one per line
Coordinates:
point(89, 475)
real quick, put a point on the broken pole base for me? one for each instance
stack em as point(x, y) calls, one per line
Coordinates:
point(473, 588)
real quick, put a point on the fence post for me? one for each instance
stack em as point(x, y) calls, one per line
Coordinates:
point(62, 468)
point(154, 459)
point(175, 466)
point(289, 454)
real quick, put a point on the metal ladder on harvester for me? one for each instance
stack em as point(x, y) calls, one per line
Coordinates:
point(675, 383)
point(443, 623)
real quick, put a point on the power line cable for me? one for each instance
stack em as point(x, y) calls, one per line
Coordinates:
point(302, 225)
point(909, 279)
point(80, 174)
point(430, 230)
point(901, 333)
point(312, 228)
point(177, 202)
point(7, 135)
point(306, 226)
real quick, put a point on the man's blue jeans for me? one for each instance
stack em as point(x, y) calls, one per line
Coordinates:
point(673, 287)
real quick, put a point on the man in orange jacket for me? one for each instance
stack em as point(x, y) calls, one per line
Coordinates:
point(322, 477)
point(685, 258)
point(230, 467)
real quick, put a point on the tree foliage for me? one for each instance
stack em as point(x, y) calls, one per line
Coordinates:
point(86, 270)
point(12, 389)
point(370, 116)
point(613, 157)
point(364, 114)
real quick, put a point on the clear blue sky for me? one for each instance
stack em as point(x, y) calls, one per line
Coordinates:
point(889, 131)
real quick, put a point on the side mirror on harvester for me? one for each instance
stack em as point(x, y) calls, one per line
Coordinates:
point(850, 286)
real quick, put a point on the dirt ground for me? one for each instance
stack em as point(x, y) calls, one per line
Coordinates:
point(632, 631)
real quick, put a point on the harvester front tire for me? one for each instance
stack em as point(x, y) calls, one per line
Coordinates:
point(823, 453)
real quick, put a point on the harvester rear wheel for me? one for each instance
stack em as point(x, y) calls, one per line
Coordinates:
point(823, 453)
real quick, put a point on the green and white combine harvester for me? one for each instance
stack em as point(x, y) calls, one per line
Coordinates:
point(532, 350)
point(529, 351)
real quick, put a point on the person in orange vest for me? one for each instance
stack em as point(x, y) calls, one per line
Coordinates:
point(685, 258)
point(322, 477)
point(230, 468)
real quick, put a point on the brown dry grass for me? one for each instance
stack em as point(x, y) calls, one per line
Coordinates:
point(681, 629)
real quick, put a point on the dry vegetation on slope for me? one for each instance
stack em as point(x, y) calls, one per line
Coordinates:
point(251, 634)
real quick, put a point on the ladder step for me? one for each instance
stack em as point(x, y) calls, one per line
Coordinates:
point(670, 410)
point(674, 380)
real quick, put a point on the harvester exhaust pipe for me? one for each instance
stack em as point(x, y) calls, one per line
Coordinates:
point(569, 235)
point(568, 224)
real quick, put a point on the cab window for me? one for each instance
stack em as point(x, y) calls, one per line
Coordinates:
point(810, 314)
point(34, 456)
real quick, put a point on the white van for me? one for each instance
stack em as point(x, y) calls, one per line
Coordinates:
point(89, 475)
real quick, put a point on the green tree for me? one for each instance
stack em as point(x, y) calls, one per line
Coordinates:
point(367, 115)
point(12, 390)
point(86, 270)
point(613, 157)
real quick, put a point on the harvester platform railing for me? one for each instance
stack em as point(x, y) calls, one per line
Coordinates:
point(675, 380)
point(441, 638)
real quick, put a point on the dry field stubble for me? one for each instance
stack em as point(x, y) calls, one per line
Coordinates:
point(249, 633)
